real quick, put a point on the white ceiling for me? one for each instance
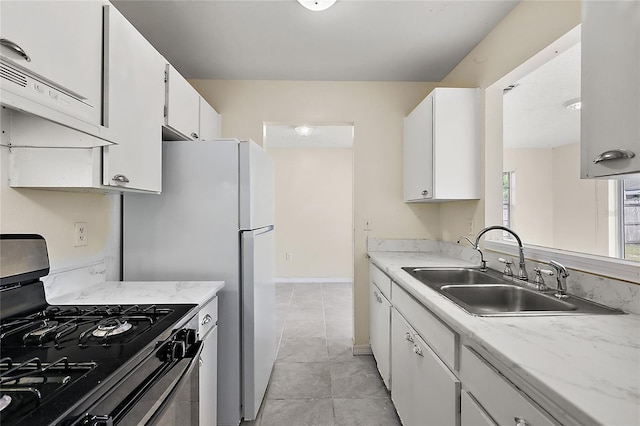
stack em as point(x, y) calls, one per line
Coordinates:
point(323, 136)
point(534, 115)
point(354, 40)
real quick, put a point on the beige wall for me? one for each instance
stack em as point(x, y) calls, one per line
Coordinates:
point(532, 212)
point(314, 198)
point(581, 206)
point(554, 207)
point(528, 29)
point(376, 110)
point(52, 214)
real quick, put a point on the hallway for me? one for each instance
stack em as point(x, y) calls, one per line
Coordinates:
point(316, 380)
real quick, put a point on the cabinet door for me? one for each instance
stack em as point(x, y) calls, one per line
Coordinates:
point(209, 379)
point(379, 330)
point(472, 413)
point(63, 40)
point(134, 100)
point(402, 366)
point(426, 392)
point(209, 122)
point(418, 152)
point(610, 115)
point(182, 105)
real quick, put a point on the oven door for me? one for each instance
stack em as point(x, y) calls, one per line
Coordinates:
point(169, 396)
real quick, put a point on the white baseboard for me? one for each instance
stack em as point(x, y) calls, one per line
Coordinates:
point(314, 280)
point(362, 350)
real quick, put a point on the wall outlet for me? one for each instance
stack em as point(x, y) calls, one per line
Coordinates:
point(288, 257)
point(367, 225)
point(471, 227)
point(81, 234)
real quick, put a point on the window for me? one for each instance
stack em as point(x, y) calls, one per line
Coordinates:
point(508, 186)
point(630, 219)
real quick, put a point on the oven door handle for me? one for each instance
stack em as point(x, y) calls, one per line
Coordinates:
point(194, 356)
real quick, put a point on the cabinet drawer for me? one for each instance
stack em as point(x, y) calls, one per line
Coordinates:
point(442, 340)
point(499, 397)
point(207, 318)
point(381, 280)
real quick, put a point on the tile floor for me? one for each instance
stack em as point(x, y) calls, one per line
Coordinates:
point(316, 380)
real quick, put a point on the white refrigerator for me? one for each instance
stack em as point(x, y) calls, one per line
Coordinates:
point(215, 221)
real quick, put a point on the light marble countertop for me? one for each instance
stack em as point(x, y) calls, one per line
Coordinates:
point(587, 365)
point(139, 292)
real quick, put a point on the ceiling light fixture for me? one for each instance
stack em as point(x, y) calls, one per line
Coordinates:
point(317, 5)
point(303, 130)
point(573, 104)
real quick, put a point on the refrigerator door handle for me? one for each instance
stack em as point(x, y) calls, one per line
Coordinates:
point(264, 230)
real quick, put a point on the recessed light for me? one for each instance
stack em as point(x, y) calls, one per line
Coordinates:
point(573, 104)
point(317, 5)
point(303, 130)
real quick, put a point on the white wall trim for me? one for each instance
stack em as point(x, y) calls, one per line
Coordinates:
point(314, 280)
point(597, 265)
point(362, 350)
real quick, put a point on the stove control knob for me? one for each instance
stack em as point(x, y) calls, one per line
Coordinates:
point(175, 350)
point(188, 336)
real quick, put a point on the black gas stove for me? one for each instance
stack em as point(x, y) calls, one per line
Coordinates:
point(88, 365)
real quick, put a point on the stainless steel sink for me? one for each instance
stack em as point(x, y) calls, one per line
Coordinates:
point(500, 298)
point(454, 276)
point(489, 294)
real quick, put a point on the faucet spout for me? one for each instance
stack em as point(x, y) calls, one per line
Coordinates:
point(483, 263)
point(522, 273)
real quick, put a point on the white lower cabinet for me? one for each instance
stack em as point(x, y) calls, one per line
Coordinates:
point(379, 334)
point(436, 380)
point(423, 390)
point(208, 373)
point(208, 376)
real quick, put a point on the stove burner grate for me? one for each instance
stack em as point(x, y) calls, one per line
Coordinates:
point(84, 325)
point(25, 385)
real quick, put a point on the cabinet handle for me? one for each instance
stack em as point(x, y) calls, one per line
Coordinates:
point(418, 352)
point(520, 421)
point(200, 361)
point(408, 337)
point(614, 154)
point(425, 192)
point(120, 179)
point(207, 319)
point(13, 46)
point(378, 299)
point(194, 135)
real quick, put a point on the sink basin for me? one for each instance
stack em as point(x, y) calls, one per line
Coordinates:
point(490, 294)
point(497, 298)
point(454, 276)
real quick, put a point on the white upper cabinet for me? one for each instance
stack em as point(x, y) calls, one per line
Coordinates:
point(134, 101)
point(51, 61)
point(182, 108)
point(210, 127)
point(442, 147)
point(610, 115)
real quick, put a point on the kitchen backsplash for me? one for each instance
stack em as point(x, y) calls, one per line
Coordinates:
point(69, 280)
point(607, 291)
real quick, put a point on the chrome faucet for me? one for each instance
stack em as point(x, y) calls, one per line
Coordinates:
point(522, 273)
point(483, 263)
point(561, 279)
